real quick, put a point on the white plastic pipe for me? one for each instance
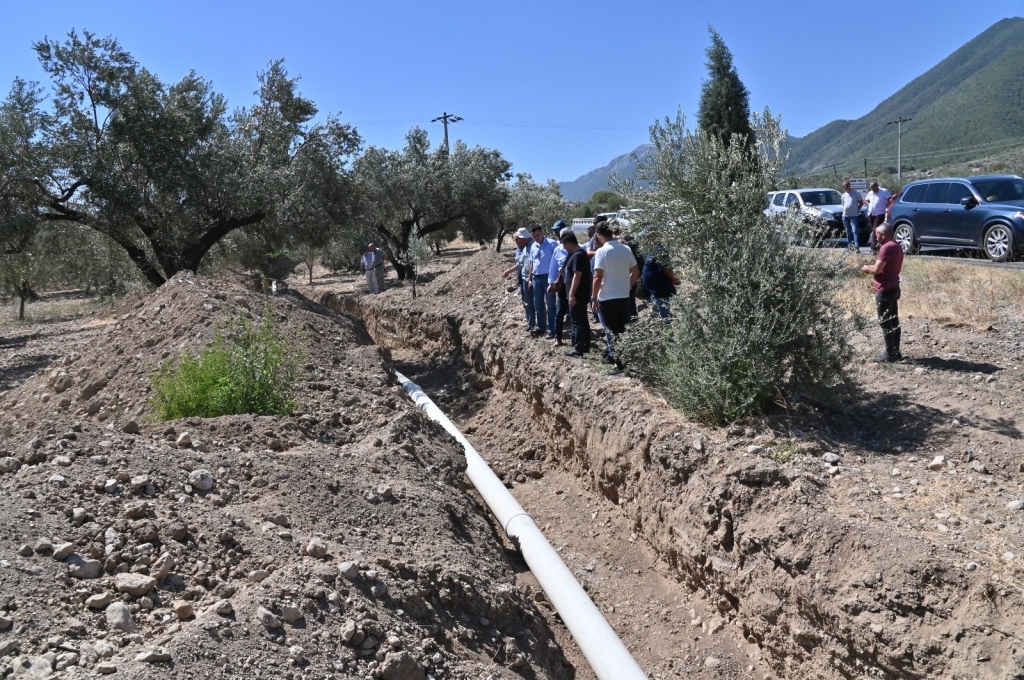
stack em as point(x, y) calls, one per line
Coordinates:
point(600, 645)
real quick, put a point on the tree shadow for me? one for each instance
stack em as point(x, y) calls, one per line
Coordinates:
point(16, 375)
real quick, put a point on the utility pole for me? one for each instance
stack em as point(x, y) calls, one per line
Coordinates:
point(447, 118)
point(899, 145)
point(865, 169)
point(833, 166)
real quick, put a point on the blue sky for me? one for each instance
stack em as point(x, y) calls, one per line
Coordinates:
point(559, 87)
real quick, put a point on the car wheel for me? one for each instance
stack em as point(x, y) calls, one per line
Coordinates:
point(904, 235)
point(998, 243)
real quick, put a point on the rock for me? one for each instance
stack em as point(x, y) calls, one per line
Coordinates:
point(349, 570)
point(224, 608)
point(105, 668)
point(8, 646)
point(258, 575)
point(5, 623)
point(100, 601)
point(83, 567)
point(32, 668)
point(1015, 505)
point(62, 461)
point(43, 547)
point(104, 649)
point(201, 480)
point(297, 654)
point(279, 519)
point(385, 491)
point(184, 440)
point(62, 550)
point(978, 467)
point(155, 655)
point(65, 661)
point(162, 567)
point(401, 666)
point(937, 464)
point(316, 548)
point(712, 662)
point(135, 585)
point(182, 608)
point(348, 631)
point(119, 617)
point(267, 618)
point(754, 449)
point(201, 446)
point(9, 465)
point(290, 613)
point(877, 630)
point(971, 566)
point(131, 427)
point(25, 550)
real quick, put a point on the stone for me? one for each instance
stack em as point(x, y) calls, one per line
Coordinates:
point(201, 480)
point(267, 618)
point(100, 601)
point(162, 567)
point(62, 461)
point(9, 465)
point(154, 655)
point(62, 550)
point(401, 666)
point(135, 585)
point(348, 631)
point(201, 446)
point(104, 649)
point(43, 547)
point(119, 617)
point(349, 570)
point(290, 613)
point(971, 566)
point(105, 668)
point(258, 575)
point(755, 449)
point(712, 662)
point(65, 661)
point(184, 440)
point(32, 668)
point(182, 608)
point(224, 608)
point(131, 427)
point(937, 464)
point(25, 550)
point(279, 519)
point(83, 567)
point(1015, 505)
point(5, 623)
point(8, 646)
point(297, 654)
point(316, 548)
point(978, 467)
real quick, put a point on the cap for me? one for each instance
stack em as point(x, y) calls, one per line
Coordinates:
point(559, 225)
point(523, 233)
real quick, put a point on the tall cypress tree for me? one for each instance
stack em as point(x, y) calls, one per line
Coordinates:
point(724, 100)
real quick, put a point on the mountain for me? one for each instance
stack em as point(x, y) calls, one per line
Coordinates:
point(974, 97)
point(624, 167)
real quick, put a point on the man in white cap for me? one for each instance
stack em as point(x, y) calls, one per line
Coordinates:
point(521, 268)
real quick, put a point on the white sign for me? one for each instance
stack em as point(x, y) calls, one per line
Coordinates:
point(859, 183)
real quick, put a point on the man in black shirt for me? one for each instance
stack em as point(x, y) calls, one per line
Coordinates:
point(577, 288)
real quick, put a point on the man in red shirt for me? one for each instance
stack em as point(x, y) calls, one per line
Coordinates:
point(886, 271)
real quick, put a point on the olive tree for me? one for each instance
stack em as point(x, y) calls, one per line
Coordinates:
point(418, 191)
point(529, 203)
point(165, 170)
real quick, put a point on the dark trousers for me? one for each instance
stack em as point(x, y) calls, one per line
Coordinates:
point(580, 333)
point(887, 304)
point(561, 311)
point(614, 316)
point(874, 221)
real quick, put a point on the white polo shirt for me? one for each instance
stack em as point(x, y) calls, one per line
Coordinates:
point(615, 260)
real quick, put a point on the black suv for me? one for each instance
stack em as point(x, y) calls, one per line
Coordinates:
point(984, 212)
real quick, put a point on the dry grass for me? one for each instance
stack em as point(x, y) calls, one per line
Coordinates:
point(45, 311)
point(944, 291)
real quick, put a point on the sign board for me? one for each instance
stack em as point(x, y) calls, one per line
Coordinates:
point(859, 183)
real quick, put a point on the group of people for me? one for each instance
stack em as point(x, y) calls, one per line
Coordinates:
point(372, 260)
point(561, 278)
point(878, 200)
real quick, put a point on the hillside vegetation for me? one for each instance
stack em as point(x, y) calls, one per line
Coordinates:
point(972, 98)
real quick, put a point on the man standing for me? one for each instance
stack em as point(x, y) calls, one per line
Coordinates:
point(540, 262)
point(577, 287)
point(852, 202)
point(886, 272)
point(558, 258)
point(659, 280)
point(521, 268)
point(366, 259)
point(878, 201)
point(379, 258)
point(615, 272)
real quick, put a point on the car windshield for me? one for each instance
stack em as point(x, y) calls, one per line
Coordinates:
point(821, 197)
point(1000, 189)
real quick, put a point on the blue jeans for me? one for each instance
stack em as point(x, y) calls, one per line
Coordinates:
point(851, 226)
point(660, 306)
point(543, 304)
point(527, 295)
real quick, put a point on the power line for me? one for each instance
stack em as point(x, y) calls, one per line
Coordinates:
point(952, 151)
point(447, 118)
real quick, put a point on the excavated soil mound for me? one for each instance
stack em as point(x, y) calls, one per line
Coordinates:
point(840, 549)
point(338, 542)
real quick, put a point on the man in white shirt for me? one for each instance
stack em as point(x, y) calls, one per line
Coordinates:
point(368, 262)
point(615, 272)
point(878, 202)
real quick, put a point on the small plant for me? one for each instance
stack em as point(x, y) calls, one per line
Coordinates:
point(252, 370)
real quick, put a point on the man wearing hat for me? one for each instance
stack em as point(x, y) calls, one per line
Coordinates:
point(555, 283)
point(521, 268)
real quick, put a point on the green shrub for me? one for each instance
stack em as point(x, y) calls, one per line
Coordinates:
point(252, 371)
point(755, 317)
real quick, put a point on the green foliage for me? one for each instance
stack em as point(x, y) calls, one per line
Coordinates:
point(253, 370)
point(529, 203)
point(600, 202)
point(724, 100)
point(755, 318)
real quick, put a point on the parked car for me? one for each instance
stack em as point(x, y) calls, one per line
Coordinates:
point(826, 204)
point(984, 212)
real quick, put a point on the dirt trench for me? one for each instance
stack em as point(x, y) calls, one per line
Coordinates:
point(817, 588)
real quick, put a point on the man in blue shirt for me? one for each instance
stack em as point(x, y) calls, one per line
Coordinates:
point(540, 263)
point(522, 270)
point(558, 258)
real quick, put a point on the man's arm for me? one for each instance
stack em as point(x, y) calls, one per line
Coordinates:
point(576, 278)
point(634, 275)
point(671, 275)
point(877, 268)
point(596, 290)
point(505, 274)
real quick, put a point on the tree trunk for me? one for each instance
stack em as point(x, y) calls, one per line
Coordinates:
point(21, 310)
point(309, 266)
point(401, 269)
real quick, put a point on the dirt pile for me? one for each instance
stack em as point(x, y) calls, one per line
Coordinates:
point(338, 542)
point(840, 544)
